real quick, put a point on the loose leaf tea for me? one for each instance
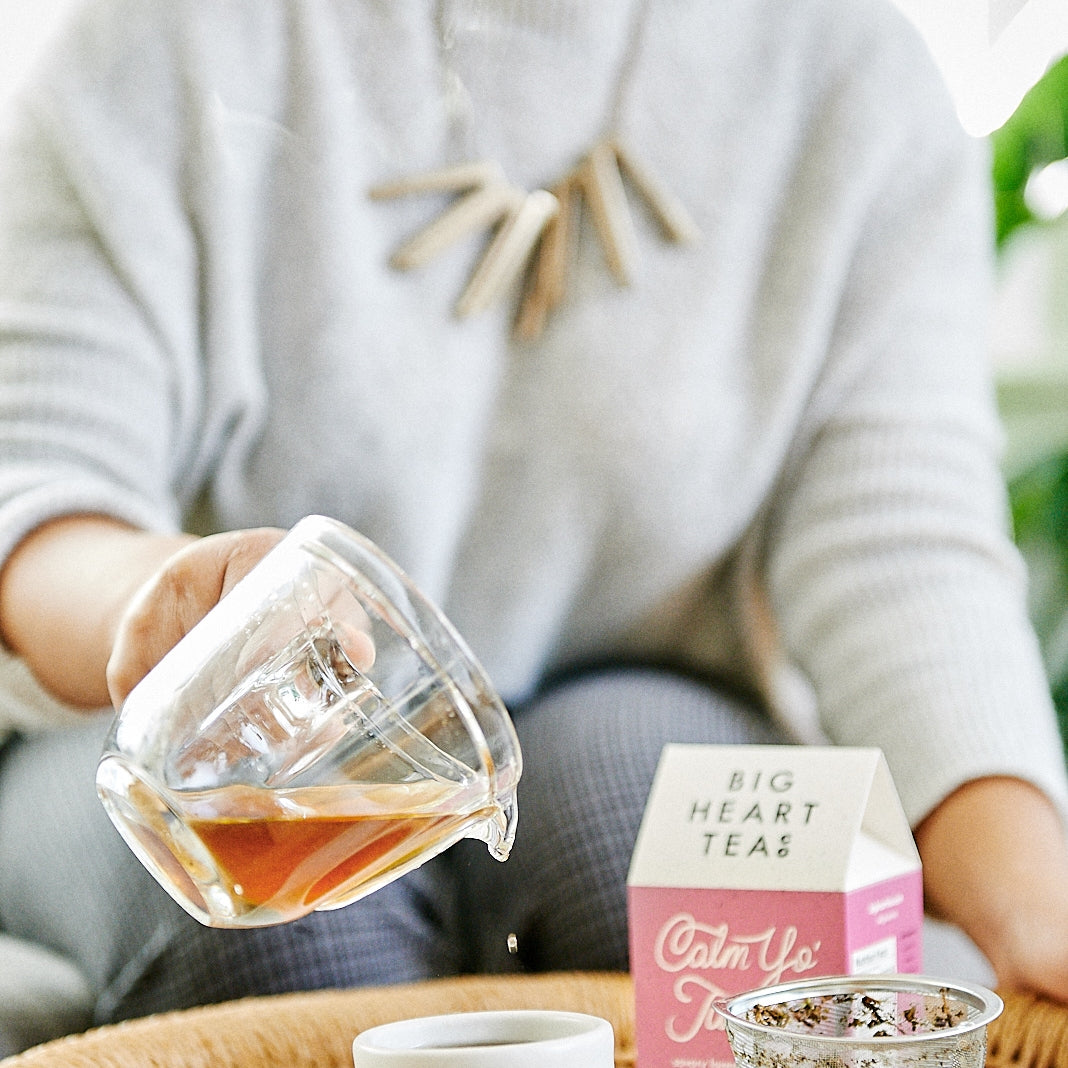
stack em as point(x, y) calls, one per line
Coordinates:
point(879, 1015)
point(895, 1021)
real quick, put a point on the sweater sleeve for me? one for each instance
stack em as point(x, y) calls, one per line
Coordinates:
point(891, 569)
point(97, 303)
point(97, 287)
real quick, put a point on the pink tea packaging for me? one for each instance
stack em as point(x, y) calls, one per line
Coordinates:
point(756, 865)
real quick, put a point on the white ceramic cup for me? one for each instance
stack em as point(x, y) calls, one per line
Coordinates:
point(521, 1038)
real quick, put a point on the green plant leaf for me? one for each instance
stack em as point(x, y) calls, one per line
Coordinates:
point(1036, 134)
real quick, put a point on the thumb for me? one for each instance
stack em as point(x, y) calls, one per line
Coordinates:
point(176, 597)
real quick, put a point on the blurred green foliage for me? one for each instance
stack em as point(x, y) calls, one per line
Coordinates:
point(1040, 506)
point(1035, 135)
point(1039, 500)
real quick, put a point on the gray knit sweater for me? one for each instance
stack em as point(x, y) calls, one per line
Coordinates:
point(782, 438)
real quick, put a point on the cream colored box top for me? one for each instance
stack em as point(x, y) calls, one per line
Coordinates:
point(760, 817)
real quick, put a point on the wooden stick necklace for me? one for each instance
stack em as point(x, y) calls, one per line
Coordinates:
point(534, 232)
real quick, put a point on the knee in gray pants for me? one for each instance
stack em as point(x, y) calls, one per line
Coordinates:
point(590, 749)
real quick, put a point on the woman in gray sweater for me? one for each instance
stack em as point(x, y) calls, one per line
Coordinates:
point(750, 439)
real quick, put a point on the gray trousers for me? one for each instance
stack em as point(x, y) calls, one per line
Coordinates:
point(590, 748)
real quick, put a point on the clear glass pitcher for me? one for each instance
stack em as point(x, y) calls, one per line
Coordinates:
point(320, 732)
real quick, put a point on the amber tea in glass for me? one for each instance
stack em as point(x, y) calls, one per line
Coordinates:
point(322, 731)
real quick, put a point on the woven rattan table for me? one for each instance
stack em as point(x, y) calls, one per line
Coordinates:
point(315, 1030)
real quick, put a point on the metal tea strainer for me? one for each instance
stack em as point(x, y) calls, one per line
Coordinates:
point(880, 1021)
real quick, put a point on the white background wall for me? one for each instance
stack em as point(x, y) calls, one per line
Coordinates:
point(990, 51)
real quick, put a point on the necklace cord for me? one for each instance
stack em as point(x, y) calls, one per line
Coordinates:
point(456, 97)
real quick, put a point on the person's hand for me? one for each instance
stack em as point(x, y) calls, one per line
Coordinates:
point(995, 863)
point(176, 596)
point(91, 604)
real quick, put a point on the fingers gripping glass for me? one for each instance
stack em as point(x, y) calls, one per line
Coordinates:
point(321, 731)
